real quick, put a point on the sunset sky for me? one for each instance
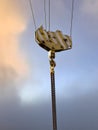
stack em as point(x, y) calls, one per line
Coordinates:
point(25, 91)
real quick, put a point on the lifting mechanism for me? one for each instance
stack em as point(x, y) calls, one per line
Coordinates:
point(52, 42)
point(55, 41)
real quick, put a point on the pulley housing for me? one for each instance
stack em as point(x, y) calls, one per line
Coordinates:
point(55, 41)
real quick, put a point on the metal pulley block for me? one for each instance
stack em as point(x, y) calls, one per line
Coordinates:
point(55, 41)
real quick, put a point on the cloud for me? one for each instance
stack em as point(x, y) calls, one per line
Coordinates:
point(13, 64)
point(77, 114)
point(90, 7)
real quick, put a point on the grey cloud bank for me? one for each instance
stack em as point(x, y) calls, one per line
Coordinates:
point(79, 113)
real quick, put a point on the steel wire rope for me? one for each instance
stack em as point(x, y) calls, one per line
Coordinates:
point(54, 116)
point(71, 23)
point(45, 14)
point(32, 11)
point(25, 9)
point(49, 15)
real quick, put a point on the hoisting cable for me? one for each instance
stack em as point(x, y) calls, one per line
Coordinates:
point(45, 14)
point(71, 24)
point(52, 75)
point(49, 15)
point(32, 11)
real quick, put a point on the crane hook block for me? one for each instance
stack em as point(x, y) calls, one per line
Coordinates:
point(55, 41)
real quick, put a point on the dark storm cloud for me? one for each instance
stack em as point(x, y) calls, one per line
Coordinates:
point(80, 113)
